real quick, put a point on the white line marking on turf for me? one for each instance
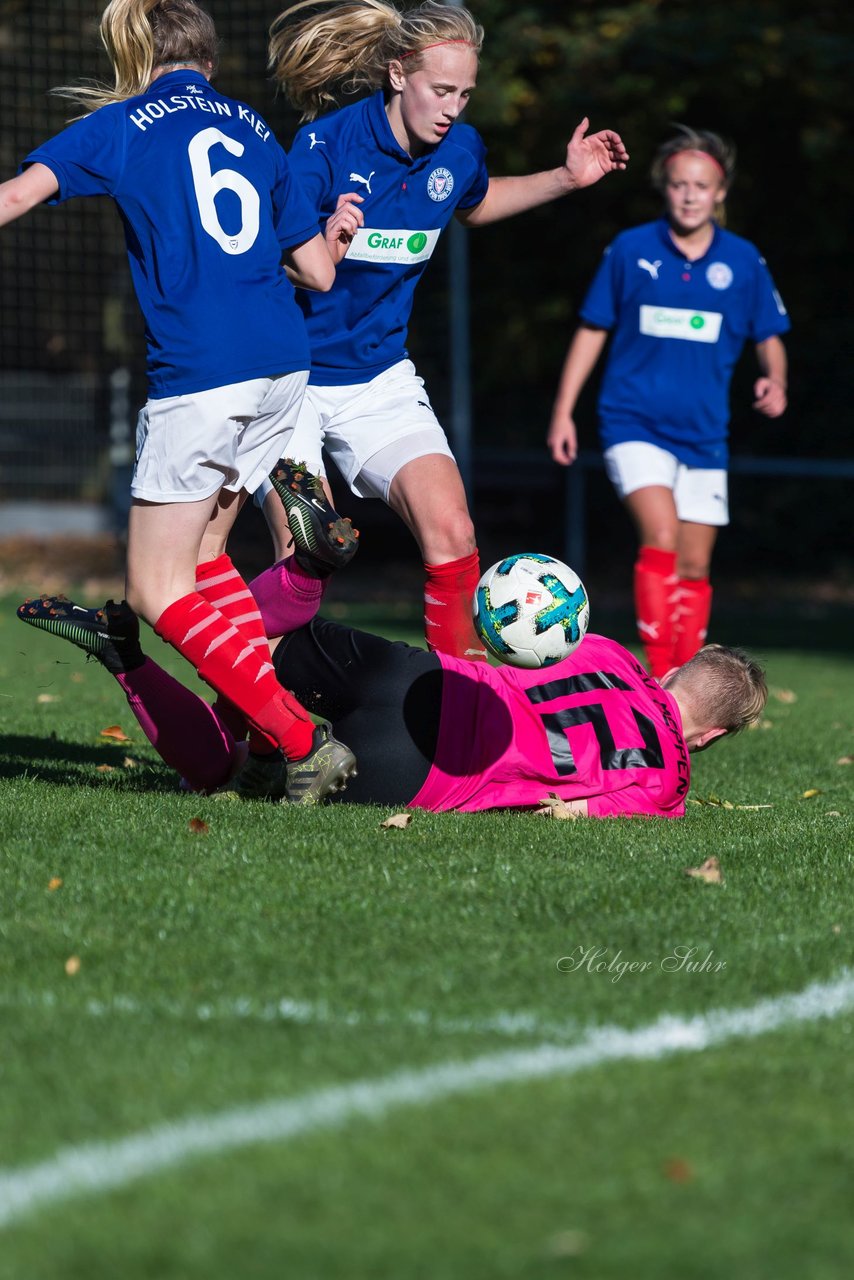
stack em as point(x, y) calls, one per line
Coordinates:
point(512, 1023)
point(104, 1166)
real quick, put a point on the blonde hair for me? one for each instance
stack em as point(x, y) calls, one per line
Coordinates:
point(141, 35)
point(725, 687)
point(347, 48)
point(711, 144)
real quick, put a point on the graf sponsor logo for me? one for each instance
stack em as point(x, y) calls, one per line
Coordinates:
point(401, 246)
point(680, 322)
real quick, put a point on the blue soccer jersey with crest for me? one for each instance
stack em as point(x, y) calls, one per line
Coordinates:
point(678, 330)
point(358, 329)
point(209, 203)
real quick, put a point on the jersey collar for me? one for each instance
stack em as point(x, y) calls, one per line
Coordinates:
point(663, 227)
point(173, 78)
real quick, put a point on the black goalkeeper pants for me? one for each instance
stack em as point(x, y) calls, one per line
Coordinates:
point(383, 698)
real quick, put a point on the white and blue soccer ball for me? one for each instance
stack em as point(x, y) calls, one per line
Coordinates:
point(531, 610)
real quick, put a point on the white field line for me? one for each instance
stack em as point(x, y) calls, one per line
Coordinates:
point(104, 1166)
point(512, 1023)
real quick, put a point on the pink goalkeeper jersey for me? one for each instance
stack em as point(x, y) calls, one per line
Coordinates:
point(594, 727)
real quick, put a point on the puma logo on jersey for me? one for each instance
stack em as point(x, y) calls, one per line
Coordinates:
point(357, 177)
point(651, 267)
point(649, 629)
point(315, 141)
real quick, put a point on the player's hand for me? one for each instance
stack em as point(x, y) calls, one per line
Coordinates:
point(562, 440)
point(589, 159)
point(343, 225)
point(770, 397)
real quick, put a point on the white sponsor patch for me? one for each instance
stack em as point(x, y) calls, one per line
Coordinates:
point(679, 322)
point(372, 245)
point(719, 275)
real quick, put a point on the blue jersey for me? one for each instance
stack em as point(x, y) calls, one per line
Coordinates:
point(358, 329)
point(208, 203)
point(678, 330)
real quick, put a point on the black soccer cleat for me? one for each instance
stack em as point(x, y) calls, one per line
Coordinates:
point(260, 778)
point(326, 769)
point(110, 634)
point(323, 540)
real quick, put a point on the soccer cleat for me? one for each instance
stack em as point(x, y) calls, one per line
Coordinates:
point(110, 634)
point(261, 778)
point(323, 540)
point(325, 770)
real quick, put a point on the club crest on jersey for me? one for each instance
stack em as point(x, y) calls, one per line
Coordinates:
point(440, 184)
point(719, 275)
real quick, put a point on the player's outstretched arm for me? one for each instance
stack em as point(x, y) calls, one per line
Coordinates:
point(769, 390)
point(23, 192)
point(587, 160)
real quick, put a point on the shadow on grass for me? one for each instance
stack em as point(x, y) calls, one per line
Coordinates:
point(74, 764)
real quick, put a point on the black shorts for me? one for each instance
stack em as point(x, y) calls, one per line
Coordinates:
point(383, 698)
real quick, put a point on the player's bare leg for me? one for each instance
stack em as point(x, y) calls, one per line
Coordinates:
point(429, 496)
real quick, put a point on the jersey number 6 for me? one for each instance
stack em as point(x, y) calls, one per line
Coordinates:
point(208, 184)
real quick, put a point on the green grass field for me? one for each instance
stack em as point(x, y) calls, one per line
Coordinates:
point(296, 1044)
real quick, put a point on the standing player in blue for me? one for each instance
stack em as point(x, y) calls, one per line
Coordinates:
point(403, 158)
point(210, 208)
point(680, 297)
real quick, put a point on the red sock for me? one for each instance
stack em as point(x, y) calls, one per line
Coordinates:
point(692, 618)
point(222, 586)
point(655, 604)
point(233, 667)
point(448, 593)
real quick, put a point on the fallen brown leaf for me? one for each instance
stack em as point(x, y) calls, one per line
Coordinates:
point(810, 792)
point(784, 695)
point(54, 883)
point(845, 760)
point(676, 1170)
point(709, 871)
point(72, 965)
point(198, 827)
point(116, 732)
point(130, 763)
point(400, 820)
point(104, 768)
point(48, 697)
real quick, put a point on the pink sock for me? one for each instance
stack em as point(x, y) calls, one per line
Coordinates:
point(287, 597)
point(181, 726)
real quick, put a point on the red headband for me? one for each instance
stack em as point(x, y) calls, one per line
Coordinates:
point(695, 151)
point(413, 52)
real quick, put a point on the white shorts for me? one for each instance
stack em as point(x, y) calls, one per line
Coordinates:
point(369, 429)
point(700, 495)
point(189, 447)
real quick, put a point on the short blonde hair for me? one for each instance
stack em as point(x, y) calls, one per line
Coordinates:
point(316, 53)
point(725, 687)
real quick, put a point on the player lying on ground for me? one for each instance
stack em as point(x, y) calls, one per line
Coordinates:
point(437, 732)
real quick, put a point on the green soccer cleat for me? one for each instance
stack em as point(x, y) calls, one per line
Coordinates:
point(324, 771)
point(110, 634)
point(323, 540)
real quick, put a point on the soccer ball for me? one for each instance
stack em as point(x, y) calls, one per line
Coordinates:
point(531, 610)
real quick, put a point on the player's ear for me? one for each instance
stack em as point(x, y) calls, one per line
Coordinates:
point(396, 78)
point(702, 740)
